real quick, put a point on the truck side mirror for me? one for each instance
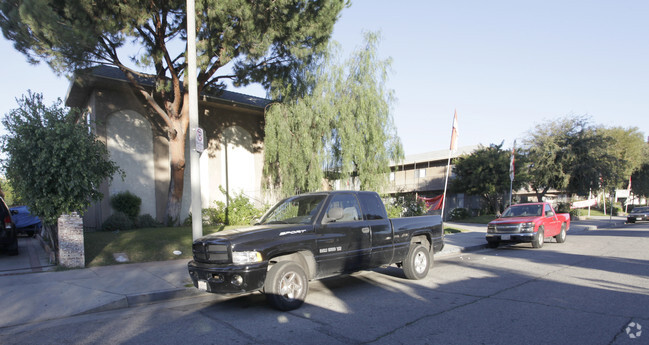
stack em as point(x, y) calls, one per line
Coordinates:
point(334, 214)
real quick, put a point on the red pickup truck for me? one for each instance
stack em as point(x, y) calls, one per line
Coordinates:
point(528, 223)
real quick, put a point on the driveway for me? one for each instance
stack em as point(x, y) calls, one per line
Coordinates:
point(31, 258)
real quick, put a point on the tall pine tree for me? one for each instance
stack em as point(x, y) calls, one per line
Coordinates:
point(264, 41)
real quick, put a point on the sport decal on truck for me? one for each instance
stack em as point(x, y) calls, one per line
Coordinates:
point(292, 232)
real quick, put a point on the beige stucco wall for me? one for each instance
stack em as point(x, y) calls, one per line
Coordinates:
point(130, 143)
point(138, 144)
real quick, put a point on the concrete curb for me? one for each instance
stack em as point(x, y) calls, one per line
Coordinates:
point(456, 250)
point(162, 295)
point(139, 299)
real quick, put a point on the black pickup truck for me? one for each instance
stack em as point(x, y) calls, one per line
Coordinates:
point(312, 236)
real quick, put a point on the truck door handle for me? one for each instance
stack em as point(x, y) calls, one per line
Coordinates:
point(365, 230)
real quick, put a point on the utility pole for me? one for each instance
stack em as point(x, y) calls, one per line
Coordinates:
point(194, 154)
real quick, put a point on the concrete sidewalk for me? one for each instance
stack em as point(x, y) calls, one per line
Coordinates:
point(32, 297)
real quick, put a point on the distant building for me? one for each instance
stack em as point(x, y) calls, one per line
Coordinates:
point(423, 175)
point(135, 138)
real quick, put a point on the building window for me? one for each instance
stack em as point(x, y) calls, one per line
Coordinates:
point(419, 173)
point(391, 176)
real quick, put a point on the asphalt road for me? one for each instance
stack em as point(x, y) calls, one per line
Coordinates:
point(593, 289)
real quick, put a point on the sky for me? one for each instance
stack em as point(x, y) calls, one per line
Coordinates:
point(505, 66)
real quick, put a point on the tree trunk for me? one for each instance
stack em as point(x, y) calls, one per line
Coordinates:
point(541, 194)
point(177, 138)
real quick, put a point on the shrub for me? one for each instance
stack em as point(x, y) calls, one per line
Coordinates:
point(459, 213)
point(127, 203)
point(55, 164)
point(406, 206)
point(146, 221)
point(575, 213)
point(393, 210)
point(187, 221)
point(563, 207)
point(242, 211)
point(214, 215)
point(117, 221)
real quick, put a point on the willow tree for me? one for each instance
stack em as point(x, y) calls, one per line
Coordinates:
point(262, 41)
point(338, 126)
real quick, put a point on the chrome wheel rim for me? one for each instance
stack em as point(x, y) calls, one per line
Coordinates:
point(291, 286)
point(420, 262)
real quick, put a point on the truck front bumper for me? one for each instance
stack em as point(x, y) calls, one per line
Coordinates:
point(227, 279)
point(515, 237)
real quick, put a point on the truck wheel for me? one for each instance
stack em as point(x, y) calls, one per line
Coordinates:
point(417, 262)
point(561, 237)
point(286, 286)
point(537, 242)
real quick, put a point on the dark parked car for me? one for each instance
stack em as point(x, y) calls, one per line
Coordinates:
point(8, 239)
point(638, 213)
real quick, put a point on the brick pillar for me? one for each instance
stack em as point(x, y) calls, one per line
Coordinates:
point(71, 251)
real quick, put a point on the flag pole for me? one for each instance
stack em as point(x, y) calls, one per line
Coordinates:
point(448, 167)
point(454, 134)
point(511, 173)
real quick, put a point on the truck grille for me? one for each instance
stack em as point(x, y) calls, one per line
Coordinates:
point(212, 253)
point(507, 228)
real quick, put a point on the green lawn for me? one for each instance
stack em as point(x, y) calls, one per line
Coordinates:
point(451, 230)
point(141, 245)
point(593, 212)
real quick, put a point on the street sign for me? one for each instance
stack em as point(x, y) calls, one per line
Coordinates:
point(200, 138)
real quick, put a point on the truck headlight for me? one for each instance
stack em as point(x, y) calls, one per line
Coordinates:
point(244, 258)
point(527, 227)
point(491, 228)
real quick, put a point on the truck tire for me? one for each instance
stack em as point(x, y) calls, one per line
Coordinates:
point(286, 286)
point(561, 237)
point(417, 262)
point(538, 240)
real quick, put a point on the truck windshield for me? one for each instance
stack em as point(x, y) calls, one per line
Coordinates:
point(523, 211)
point(295, 210)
